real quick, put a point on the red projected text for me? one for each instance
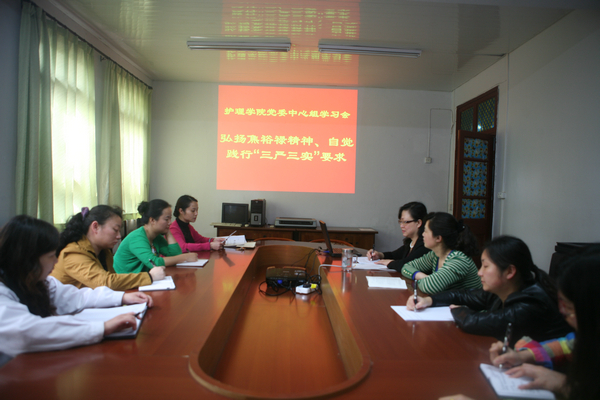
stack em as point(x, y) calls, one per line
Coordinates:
point(296, 140)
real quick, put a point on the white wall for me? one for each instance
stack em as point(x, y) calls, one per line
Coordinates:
point(392, 135)
point(548, 135)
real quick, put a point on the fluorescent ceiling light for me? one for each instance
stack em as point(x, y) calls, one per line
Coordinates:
point(368, 50)
point(240, 44)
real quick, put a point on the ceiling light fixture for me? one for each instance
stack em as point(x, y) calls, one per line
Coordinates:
point(368, 50)
point(240, 44)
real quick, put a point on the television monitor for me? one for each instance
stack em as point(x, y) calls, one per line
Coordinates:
point(236, 213)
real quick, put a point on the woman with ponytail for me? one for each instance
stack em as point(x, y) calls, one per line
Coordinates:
point(514, 290)
point(36, 309)
point(151, 245)
point(449, 265)
point(85, 252)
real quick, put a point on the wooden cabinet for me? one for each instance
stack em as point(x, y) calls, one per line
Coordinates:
point(363, 238)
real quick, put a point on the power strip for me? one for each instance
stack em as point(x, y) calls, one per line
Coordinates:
point(305, 290)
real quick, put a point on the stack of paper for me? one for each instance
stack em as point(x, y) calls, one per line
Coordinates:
point(386, 282)
point(164, 284)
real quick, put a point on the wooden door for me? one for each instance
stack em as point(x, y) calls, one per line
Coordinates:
point(475, 162)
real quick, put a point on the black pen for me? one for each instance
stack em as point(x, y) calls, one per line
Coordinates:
point(152, 262)
point(416, 298)
point(507, 336)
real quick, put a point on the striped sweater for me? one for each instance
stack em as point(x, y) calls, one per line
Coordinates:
point(458, 272)
point(553, 354)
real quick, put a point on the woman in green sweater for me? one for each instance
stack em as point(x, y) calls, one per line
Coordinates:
point(449, 265)
point(142, 249)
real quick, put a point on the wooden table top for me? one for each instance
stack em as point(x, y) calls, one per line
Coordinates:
point(410, 360)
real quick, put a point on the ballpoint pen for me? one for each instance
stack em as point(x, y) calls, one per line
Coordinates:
point(152, 262)
point(507, 336)
point(415, 298)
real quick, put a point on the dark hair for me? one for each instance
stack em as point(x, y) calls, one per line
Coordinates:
point(417, 211)
point(579, 283)
point(183, 202)
point(78, 225)
point(152, 209)
point(23, 240)
point(505, 251)
point(455, 234)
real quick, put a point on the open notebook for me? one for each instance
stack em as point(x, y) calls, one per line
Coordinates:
point(507, 387)
point(104, 314)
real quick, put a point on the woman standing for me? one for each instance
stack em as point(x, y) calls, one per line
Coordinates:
point(85, 248)
point(410, 218)
point(142, 249)
point(449, 265)
point(186, 212)
point(36, 308)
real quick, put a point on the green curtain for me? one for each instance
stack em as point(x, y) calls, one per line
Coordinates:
point(34, 144)
point(135, 107)
point(65, 162)
point(108, 160)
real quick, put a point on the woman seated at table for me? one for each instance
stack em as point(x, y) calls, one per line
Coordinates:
point(35, 309)
point(449, 265)
point(410, 218)
point(580, 306)
point(142, 249)
point(514, 290)
point(186, 211)
point(85, 248)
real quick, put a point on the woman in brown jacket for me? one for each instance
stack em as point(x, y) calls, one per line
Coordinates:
point(85, 248)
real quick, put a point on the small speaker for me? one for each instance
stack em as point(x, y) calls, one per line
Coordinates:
point(258, 212)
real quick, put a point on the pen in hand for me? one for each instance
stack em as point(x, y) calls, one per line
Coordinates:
point(507, 336)
point(415, 298)
point(152, 262)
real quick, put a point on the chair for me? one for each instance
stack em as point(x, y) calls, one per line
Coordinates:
point(333, 241)
point(274, 238)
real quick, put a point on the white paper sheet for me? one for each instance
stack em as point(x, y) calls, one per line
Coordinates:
point(364, 263)
point(164, 284)
point(199, 263)
point(506, 386)
point(386, 282)
point(428, 314)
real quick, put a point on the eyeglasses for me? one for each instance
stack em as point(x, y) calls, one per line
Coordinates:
point(406, 222)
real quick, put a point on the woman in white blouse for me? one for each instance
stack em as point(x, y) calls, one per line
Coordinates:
point(36, 309)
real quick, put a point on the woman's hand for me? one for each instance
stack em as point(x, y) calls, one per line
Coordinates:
point(509, 359)
point(190, 257)
point(157, 273)
point(170, 238)
point(374, 255)
point(120, 323)
point(422, 303)
point(420, 275)
point(384, 262)
point(543, 378)
point(217, 243)
point(137, 298)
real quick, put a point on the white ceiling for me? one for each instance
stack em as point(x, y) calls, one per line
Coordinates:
point(458, 39)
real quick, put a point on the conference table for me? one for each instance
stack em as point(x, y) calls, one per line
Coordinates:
point(217, 336)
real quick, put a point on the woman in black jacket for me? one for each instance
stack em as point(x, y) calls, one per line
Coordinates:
point(514, 290)
point(410, 217)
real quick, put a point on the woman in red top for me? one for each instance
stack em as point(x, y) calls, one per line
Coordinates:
point(186, 211)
